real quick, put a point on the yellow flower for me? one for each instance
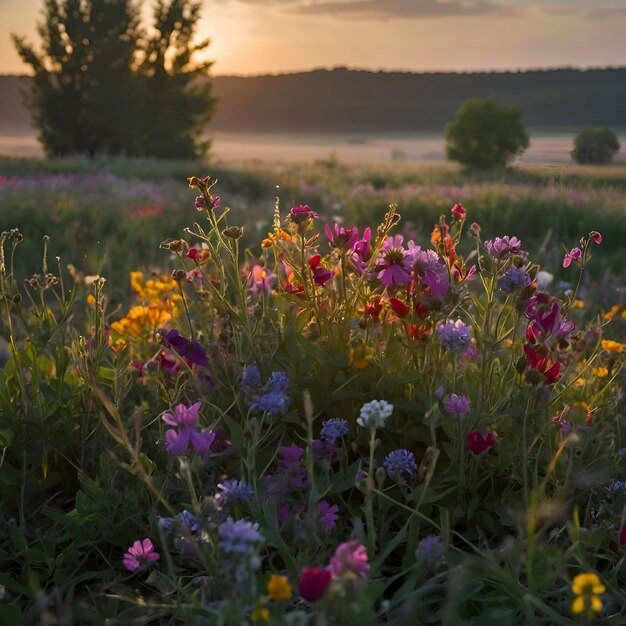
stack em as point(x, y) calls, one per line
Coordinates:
point(260, 615)
point(278, 588)
point(578, 304)
point(91, 301)
point(274, 237)
point(600, 372)
point(359, 356)
point(615, 309)
point(588, 588)
point(612, 346)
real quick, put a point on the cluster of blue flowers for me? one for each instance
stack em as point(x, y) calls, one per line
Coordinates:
point(232, 491)
point(270, 398)
point(455, 335)
point(239, 537)
point(514, 279)
point(334, 429)
point(400, 462)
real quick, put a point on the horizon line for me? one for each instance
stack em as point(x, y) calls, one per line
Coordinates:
point(332, 68)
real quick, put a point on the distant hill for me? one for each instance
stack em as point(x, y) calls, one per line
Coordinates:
point(348, 101)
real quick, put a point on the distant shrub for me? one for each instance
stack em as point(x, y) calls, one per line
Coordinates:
point(595, 145)
point(484, 135)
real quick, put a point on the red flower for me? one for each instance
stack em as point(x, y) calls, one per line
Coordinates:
point(458, 210)
point(399, 308)
point(313, 582)
point(478, 441)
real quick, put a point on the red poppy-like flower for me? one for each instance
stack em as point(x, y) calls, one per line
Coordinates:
point(479, 441)
point(458, 210)
point(399, 308)
point(313, 583)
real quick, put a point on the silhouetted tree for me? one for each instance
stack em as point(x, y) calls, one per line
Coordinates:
point(595, 145)
point(484, 135)
point(85, 97)
point(178, 100)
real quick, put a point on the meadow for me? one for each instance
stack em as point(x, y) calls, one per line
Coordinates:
point(311, 393)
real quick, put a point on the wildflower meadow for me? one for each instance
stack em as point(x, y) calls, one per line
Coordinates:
point(300, 419)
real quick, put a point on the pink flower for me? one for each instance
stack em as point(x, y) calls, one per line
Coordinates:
point(573, 255)
point(456, 406)
point(479, 441)
point(313, 583)
point(361, 251)
point(140, 555)
point(342, 238)
point(300, 213)
point(596, 236)
point(395, 263)
point(350, 557)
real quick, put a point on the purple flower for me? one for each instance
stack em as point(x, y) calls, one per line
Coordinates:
point(186, 348)
point(503, 248)
point(350, 558)
point(328, 515)
point(574, 254)
point(361, 251)
point(430, 550)
point(183, 416)
point(291, 456)
point(456, 406)
point(239, 537)
point(334, 429)
point(455, 335)
point(400, 462)
point(431, 270)
point(342, 238)
point(395, 263)
point(300, 213)
point(140, 556)
point(515, 279)
point(233, 490)
point(323, 450)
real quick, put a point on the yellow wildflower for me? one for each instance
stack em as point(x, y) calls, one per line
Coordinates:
point(612, 346)
point(274, 237)
point(91, 301)
point(600, 372)
point(578, 304)
point(160, 288)
point(359, 356)
point(278, 588)
point(588, 588)
point(260, 615)
point(615, 309)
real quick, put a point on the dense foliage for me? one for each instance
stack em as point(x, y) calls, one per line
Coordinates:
point(98, 79)
point(597, 146)
point(485, 135)
point(338, 425)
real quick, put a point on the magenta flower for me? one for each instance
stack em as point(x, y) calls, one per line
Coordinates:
point(300, 213)
point(321, 274)
point(328, 515)
point(574, 254)
point(350, 558)
point(342, 238)
point(504, 247)
point(456, 406)
point(361, 251)
point(183, 416)
point(313, 583)
point(395, 263)
point(140, 556)
point(431, 271)
point(596, 236)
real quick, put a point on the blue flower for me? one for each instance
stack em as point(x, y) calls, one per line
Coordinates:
point(400, 461)
point(250, 378)
point(334, 429)
point(239, 537)
point(455, 335)
point(233, 490)
point(430, 550)
point(515, 279)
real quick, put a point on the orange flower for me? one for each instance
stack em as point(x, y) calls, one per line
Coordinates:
point(276, 236)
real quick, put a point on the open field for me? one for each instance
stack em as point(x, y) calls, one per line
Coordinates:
point(545, 147)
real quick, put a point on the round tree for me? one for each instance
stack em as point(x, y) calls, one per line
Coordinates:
point(595, 145)
point(485, 135)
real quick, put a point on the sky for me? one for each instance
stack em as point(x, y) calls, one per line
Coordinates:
point(273, 36)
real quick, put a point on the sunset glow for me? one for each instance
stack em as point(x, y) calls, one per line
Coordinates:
point(267, 36)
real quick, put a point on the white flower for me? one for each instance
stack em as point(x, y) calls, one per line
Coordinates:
point(374, 414)
point(544, 279)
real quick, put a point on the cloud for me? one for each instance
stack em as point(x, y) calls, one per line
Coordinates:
point(389, 9)
point(605, 12)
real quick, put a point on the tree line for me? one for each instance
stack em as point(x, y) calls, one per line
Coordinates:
point(105, 84)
